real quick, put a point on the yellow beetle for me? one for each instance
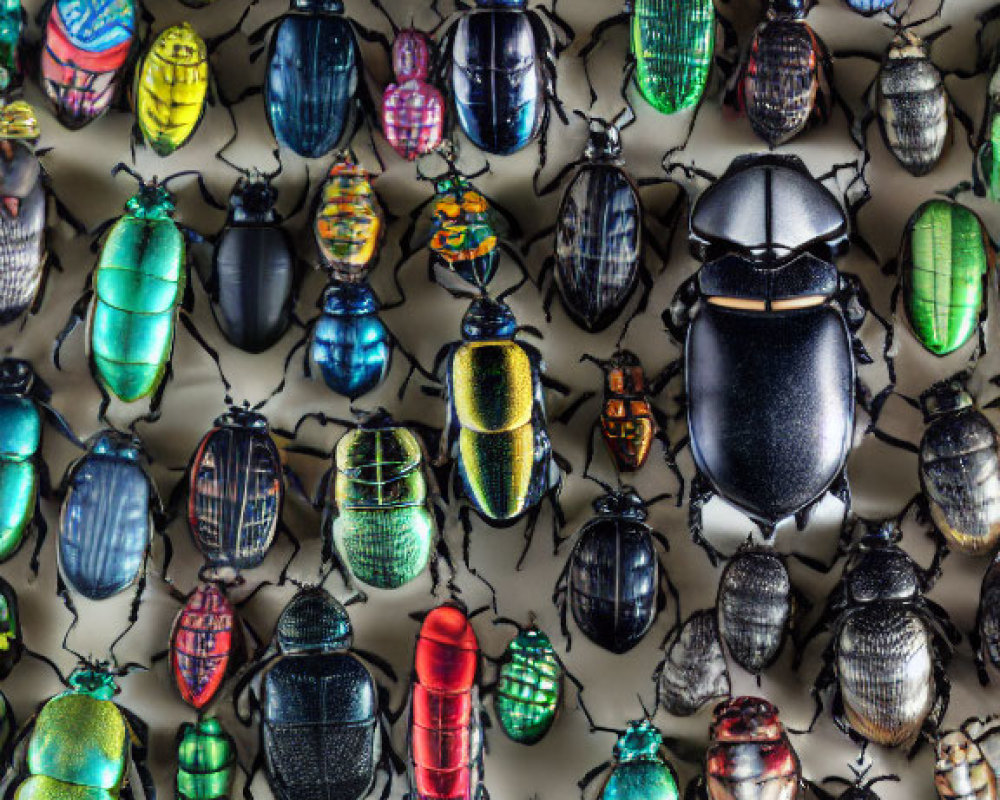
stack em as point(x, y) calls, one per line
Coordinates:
point(171, 87)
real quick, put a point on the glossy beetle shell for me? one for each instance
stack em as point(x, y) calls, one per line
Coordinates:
point(22, 229)
point(84, 53)
point(383, 527)
point(673, 44)
point(350, 344)
point(412, 110)
point(598, 244)
point(496, 79)
point(104, 525)
point(614, 576)
point(138, 286)
point(20, 447)
point(444, 739)
point(912, 105)
point(943, 259)
point(755, 607)
point(171, 89)
point(202, 645)
point(319, 725)
point(961, 772)
point(869, 7)
point(627, 422)
point(349, 223)
point(529, 687)
point(313, 69)
point(639, 771)
point(463, 237)
point(693, 670)
point(236, 491)
point(206, 760)
point(11, 643)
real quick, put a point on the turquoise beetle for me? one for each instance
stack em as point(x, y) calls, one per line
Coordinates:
point(639, 770)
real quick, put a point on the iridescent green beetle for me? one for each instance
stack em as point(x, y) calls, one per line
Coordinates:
point(82, 744)
point(639, 770)
point(206, 760)
point(944, 263)
point(529, 687)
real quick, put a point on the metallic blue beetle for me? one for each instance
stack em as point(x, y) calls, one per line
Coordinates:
point(500, 63)
point(869, 8)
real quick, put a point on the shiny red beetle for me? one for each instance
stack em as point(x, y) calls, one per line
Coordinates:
point(204, 643)
point(445, 740)
point(412, 110)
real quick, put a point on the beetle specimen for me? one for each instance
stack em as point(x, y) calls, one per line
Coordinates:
point(348, 222)
point(961, 771)
point(171, 88)
point(639, 769)
point(889, 647)
point(412, 110)
point(749, 756)
point(11, 24)
point(614, 579)
point(499, 59)
point(206, 760)
point(85, 51)
point(769, 323)
point(693, 670)
point(319, 704)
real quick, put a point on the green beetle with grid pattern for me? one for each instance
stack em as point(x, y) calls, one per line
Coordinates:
point(529, 688)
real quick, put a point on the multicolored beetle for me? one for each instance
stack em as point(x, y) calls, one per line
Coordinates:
point(529, 688)
point(206, 760)
point(348, 223)
point(639, 769)
point(171, 89)
point(784, 84)
point(961, 771)
point(445, 740)
point(86, 46)
point(412, 109)
point(693, 670)
point(205, 646)
point(235, 491)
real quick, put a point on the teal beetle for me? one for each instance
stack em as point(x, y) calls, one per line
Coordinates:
point(639, 771)
point(82, 745)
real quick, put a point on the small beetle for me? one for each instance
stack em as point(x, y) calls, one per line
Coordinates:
point(412, 110)
point(614, 579)
point(529, 688)
point(348, 222)
point(985, 636)
point(961, 771)
point(889, 647)
point(693, 670)
point(171, 88)
point(85, 50)
point(206, 760)
point(638, 770)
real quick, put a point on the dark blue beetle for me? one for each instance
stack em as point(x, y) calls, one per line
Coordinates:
point(499, 59)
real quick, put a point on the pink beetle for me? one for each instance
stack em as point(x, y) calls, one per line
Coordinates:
point(412, 110)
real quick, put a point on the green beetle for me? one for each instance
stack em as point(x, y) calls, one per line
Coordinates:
point(944, 263)
point(639, 770)
point(529, 687)
point(82, 744)
point(206, 760)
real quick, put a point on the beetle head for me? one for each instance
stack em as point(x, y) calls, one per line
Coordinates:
point(152, 201)
point(17, 376)
point(745, 719)
point(313, 620)
point(318, 6)
point(623, 374)
point(640, 742)
point(604, 143)
point(115, 444)
point(244, 418)
point(624, 502)
point(487, 318)
point(411, 55)
point(878, 569)
point(945, 397)
point(253, 199)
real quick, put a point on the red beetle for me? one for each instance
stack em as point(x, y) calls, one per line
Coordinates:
point(412, 110)
point(204, 644)
point(445, 741)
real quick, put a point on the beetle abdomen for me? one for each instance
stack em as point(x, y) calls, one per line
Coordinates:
point(312, 79)
point(754, 602)
point(496, 79)
point(22, 253)
point(885, 669)
point(20, 439)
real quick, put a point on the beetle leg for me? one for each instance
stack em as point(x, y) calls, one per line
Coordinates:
point(293, 540)
point(559, 599)
point(590, 776)
point(41, 529)
point(834, 608)
point(598, 32)
point(678, 314)
point(978, 647)
point(827, 677)
point(211, 351)
point(76, 316)
point(696, 789)
point(701, 493)
point(464, 516)
point(939, 616)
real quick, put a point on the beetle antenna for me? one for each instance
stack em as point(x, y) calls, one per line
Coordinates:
point(605, 486)
point(882, 779)
point(642, 704)
point(270, 176)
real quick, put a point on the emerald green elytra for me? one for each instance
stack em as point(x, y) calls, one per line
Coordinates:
point(640, 772)
point(529, 688)
point(206, 758)
point(20, 439)
point(138, 285)
point(944, 258)
point(673, 43)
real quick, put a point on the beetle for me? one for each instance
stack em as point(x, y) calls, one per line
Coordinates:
point(783, 87)
point(348, 222)
point(768, 322)
point(985, 732)
point(85, 51)
point(889, 647)
point(254, 267)
point(445, 738)
point(11, 24)
point(413, 109)
point(499, 59)
point(171, 89)
point(638, 770)
point(749, 755)
point(693, 669)
point(81, 741)
point(205, 646)
point(529, 688)
point(961, 771)
point(985, 635)
point(206, 760)
point(613, 579)
point(987, 161)
point(319, 704)
point(235, 491)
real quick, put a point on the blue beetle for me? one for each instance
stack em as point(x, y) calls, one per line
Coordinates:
point(500, 65)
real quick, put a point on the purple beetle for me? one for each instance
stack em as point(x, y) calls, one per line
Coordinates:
point(412, 110)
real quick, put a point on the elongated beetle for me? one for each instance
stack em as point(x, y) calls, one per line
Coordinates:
point(961, 771)
point(206, 760)
point(639, 769)
point(693, 669)
point(413, 109)
point(889, 647)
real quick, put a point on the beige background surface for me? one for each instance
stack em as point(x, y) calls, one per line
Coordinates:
point(882, 478)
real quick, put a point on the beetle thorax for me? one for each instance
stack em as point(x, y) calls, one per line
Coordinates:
point(881, 574)
point(253, 200)
point(152, 201)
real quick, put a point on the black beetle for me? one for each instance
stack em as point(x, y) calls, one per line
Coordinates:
point(613, 578)
point(890, 644)
point(857, 789)
point(769, 327)
point(985, 636)
point(693, 669)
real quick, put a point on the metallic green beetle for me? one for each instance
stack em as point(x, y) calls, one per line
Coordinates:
point(206, 759)
point(82, 744)
point(529, 687)
point(639, 771)
point(944, 263)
